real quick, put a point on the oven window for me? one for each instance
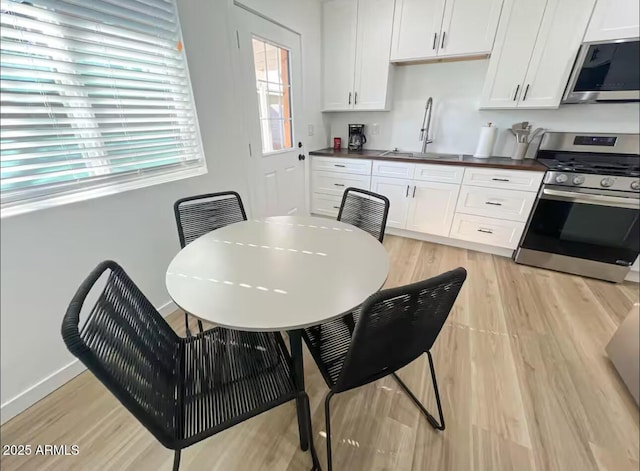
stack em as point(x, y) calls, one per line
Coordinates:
point(610, 67)
point(602, 233)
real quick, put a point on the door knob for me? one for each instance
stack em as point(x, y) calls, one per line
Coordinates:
point(301, 157)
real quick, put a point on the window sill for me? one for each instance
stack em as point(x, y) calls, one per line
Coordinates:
point(97, 192)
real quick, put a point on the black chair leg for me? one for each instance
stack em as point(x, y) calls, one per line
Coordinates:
point(327, 421)
point(200, 326)
point(186, 324)
point(176, 460)
point(431, 419)
point(314, 456)
point(350, 322)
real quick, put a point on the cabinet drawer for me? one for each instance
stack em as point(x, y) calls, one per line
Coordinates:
point(385, 168)
point(439, 173)
point(326, 205)
point(487, 231)
point(332, 183)
point(496, 203)
point(341, 165)
point(507, 179)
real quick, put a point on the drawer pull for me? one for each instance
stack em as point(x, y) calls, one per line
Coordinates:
point(486, 231)
point(493, 203)
point(336, 207)
point(339, 165)
point(500, 179)
point(338, 184)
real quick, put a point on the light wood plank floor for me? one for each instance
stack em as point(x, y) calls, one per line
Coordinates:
point(524, 380)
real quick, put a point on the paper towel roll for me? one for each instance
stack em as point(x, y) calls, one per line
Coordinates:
point(487, 139)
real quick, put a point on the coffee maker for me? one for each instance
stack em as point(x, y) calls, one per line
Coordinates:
point(356, 137)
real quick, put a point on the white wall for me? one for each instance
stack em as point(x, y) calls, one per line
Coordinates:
point(455, 88)
point(45, 255)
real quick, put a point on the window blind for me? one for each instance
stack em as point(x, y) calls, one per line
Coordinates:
point(95, 96)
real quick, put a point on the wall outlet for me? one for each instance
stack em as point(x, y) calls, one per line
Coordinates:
point(375, 129)
point(310, 130)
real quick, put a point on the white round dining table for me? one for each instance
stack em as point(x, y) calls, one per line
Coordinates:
point(275, 274)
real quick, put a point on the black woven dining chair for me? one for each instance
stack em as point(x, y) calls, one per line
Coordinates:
point(200, 214)
point(366, 210)
point(393, 328)
point(182, 390)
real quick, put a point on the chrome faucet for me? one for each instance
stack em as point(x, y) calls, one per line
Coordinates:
point(424, 130)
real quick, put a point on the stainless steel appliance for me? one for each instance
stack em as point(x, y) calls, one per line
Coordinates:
point(586, 217)
point(605, 71)
point(356, 137)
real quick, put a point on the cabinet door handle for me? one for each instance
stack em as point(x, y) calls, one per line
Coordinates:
point(338, 184)
point(435, 40)
point(339, 165)
point(524, 96)
point(355, 98)
point(443, 35)
point(407, 194)
point(486, 231)
point(414, 192)
point(500, 179)
point(516, 93)
point(349, 97)
point(493, 203)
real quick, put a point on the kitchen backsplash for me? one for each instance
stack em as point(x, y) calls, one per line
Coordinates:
point(455, 125)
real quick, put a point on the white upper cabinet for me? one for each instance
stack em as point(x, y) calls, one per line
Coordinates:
point(356, 45)
point(516, 38)
point(425, 29)
point(558, 43)
point(614, 19)
point(416, 29)
point(469, 27)
point(339, 52)
point(373, 70)
point(535, 48)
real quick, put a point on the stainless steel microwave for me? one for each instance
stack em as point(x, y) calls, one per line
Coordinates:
point(605, 71)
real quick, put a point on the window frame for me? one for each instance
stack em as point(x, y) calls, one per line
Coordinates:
point(92, 188)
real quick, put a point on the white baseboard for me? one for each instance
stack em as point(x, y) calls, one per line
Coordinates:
point(46, 386)
point(633, 276)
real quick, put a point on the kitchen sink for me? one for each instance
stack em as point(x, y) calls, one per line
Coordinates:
point(419, 155)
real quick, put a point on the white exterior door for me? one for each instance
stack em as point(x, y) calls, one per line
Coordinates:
point(416, 29)
point(515, 40)
point(339, 30)
point(398, 192)
point(432, 207)
point(270, 80)
point(469, 27)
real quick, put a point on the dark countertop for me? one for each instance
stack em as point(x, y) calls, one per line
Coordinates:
point(444, 159)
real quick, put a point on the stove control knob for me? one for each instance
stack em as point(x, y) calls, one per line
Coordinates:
point(561, 178)
point(635, 185)
point(606, 182)
point(579, 180)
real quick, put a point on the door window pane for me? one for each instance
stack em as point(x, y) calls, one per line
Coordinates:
point(273, 86)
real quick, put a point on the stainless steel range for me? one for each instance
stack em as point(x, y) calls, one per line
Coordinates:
point(586, 217)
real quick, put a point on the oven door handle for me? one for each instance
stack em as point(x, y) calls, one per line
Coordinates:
point(585, 198)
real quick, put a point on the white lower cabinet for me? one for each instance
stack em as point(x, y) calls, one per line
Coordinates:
point(488, 231)
point(432, 207)
point(487, 206)
point(496, 203)
point(398, 192)
point(326, 205)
